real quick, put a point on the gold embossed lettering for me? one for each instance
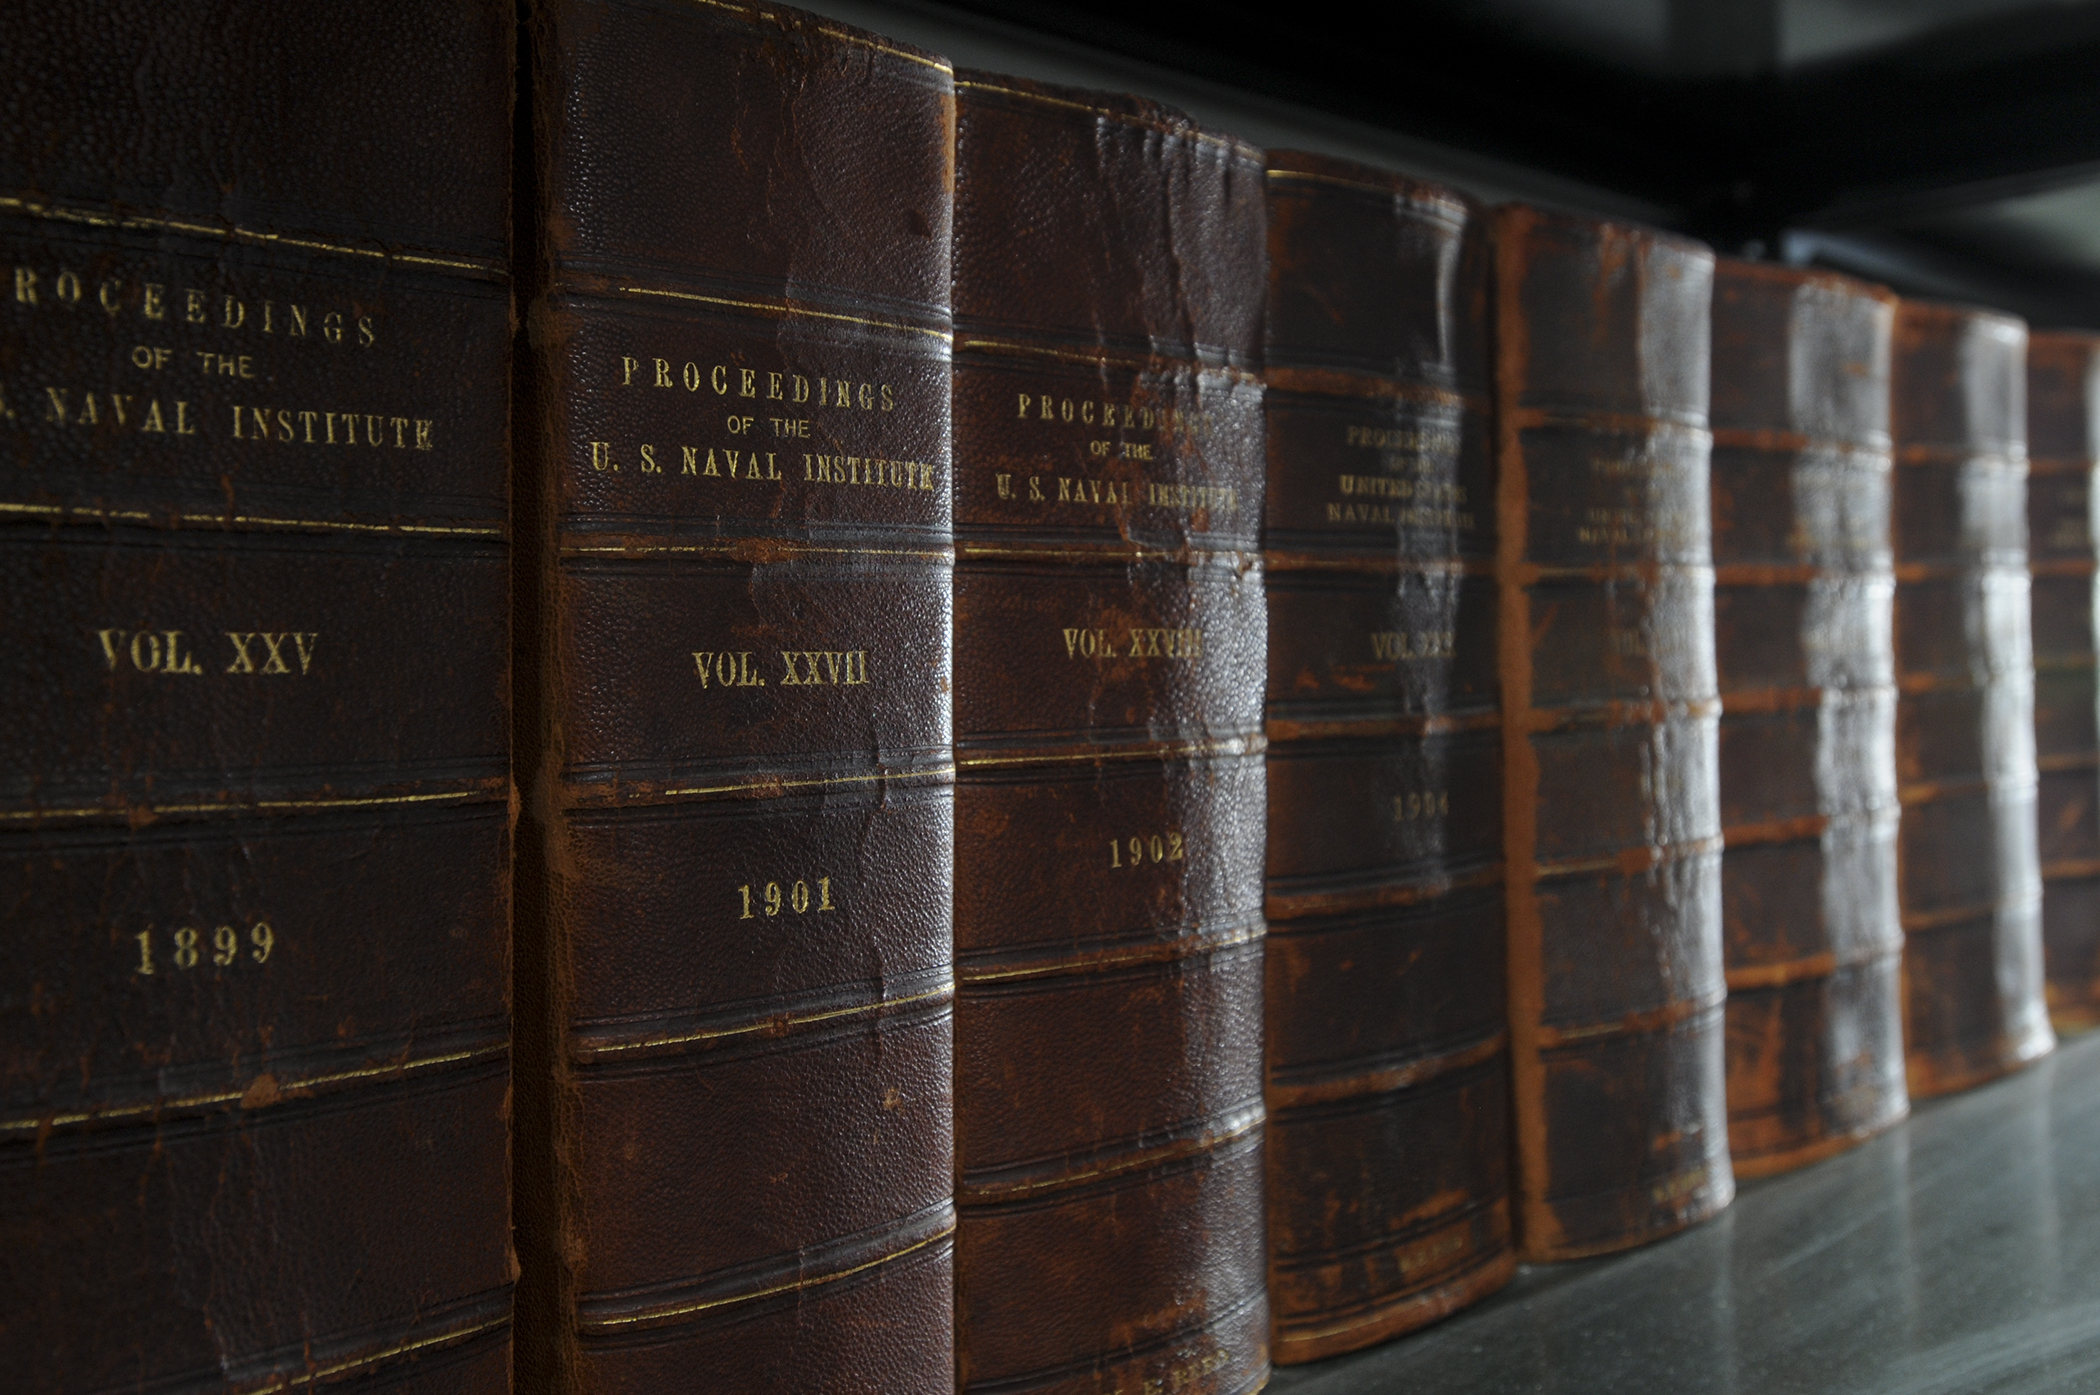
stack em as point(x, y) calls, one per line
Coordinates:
point(1416, 805)
point(1155, 848)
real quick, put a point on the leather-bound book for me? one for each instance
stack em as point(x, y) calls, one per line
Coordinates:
point(1388, 1061)
point(735, 980)
point(2063, 416)
point(254, 792)
point(1611, 812)
point(1969, 877)
point(1802, 614)
point(1109, 640)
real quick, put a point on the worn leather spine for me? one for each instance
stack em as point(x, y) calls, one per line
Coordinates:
point(254, 796)
point(1612, 815)
point(1968, 867)
point(735, 963)
point(1387, 1072)
point(1109, 640)
point(1804, 647)
point(2063, 419)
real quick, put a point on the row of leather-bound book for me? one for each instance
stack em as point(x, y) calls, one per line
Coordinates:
point(697, 705)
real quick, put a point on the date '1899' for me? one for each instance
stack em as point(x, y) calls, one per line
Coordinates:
point(188, 946)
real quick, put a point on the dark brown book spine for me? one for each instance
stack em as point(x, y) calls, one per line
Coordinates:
point(735, 979)
point(1612, 814)
point(1966, 854)
point(254, 798)
point(1803, 595)
point(1109, 639)
point(1388, 1057)
point(2063, 417)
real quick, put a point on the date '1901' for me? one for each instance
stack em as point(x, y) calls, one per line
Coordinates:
point(798, 897)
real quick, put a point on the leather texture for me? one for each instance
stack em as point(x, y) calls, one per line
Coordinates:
point(1805, 653)
point(2063, 415)
point(254, 803)
point(734, 1142)
point(1109, 644)
point(1612, 814)
point(1968, 866)
point(1387, 1072)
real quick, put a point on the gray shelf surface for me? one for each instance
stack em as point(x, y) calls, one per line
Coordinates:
point(1958, 1254)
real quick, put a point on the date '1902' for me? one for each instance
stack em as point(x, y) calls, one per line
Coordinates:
point(1137, 852)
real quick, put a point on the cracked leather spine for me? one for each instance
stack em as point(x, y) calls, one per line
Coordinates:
point(735, 964)
point(254, 807)
point(1109, 633)
point(1612, 815)
point(1803, 597)
point(1968, 873)
point(2063, 415)
point(1387, 1064)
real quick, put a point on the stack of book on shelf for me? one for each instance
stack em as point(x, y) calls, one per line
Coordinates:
point(699, 705)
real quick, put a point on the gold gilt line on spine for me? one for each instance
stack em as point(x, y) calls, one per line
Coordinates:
point(1915, 922)
point(1141, 363)
point(1414, 198)
point(1530, 573)
point(937, 64)
point(667, 1311)
point(241, 520)
point(583, 797)
point(1815, 966)
point(775, 1023)
point(1149, 750)
point(1631, 861)
point(1382, 1080)
point(843, 36)
point(1668, 1015)
point(1125, 118)
point(1187, 947)
point(284, 1089)
point(783, 309)
point(1612, 423)
point(1927, 791)
point(1879, 444)
point(229, 232)
point(1379, 564)
point(756, 551)
point(1107, 554)
point(1613, 713)
point(250, 806)
point(316, 1374)
point(1918, 453)
point(1235, 1125)
point(1326, 384)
